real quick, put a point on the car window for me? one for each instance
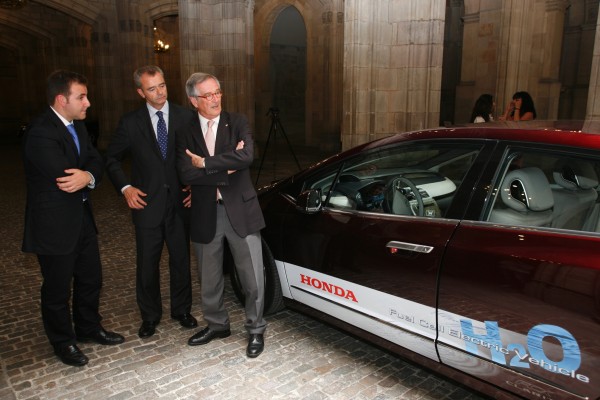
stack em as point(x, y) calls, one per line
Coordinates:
point(407, 179)
point(548, 189)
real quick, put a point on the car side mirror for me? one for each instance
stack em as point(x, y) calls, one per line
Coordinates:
point(309, 201)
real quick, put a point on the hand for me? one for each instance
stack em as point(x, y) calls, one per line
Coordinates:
point(134, 199)
point(197, 161)
point(187, 202)
point(74, 180)
point(239, 146)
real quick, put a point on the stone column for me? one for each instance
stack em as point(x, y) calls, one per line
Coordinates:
point(392, 67)
point(592, 117)
point(217, 38)
point(529, 58)
point(135, 47)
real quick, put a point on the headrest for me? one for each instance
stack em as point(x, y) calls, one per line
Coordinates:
point(527, 189)
point(575, 174)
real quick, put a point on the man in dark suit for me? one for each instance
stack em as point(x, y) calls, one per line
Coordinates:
point(61, 167)
point(225, 206)
point(157, 199)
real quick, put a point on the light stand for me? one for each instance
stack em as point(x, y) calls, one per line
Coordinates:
point(275, 124)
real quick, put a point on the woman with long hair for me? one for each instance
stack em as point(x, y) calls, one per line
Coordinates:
point(521, 108)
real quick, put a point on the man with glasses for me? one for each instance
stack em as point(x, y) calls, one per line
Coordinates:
point(214, 154)
point(156, 198)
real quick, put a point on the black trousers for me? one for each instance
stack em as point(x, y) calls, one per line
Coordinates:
point(81, 271)
point(149, 242)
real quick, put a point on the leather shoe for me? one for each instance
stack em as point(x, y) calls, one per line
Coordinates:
point(71, 355)
point(147, 329)
point(206, 335)
point(186, 320)
point(256, 345)
point(102, 336)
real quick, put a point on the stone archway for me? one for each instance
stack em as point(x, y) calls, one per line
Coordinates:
point(324, 65)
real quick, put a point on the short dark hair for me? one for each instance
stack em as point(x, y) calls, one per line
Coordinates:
point(60, 81)
point(147, 69)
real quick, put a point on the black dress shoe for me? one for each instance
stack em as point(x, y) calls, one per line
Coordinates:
point(186, 320)
point(102, 337)
point(147, 329)
point(206, 335)
point(256, 345)
point(71, 355)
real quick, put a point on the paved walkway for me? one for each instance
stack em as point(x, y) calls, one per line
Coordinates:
point(303, 358)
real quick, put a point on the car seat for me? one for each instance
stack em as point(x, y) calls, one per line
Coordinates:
point(527, 195)
point(576, 194)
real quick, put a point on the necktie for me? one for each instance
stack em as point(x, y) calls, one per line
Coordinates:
point(161, 134)
point(210, 138)
point(73, 133)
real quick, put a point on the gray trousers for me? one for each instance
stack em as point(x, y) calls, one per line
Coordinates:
point(247, 256)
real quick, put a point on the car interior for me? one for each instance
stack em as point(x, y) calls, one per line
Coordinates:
point(546, 190)
point(419, 181)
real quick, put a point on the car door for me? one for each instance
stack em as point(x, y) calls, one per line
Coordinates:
point(519, 297)
point(359, 261)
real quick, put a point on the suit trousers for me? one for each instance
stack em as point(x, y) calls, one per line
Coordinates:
point(149, 242)
point(247, 256)
point(82, 268)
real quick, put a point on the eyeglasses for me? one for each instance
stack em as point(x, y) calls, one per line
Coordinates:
point(211, 96)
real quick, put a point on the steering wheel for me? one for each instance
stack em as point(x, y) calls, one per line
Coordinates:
point(397, 201)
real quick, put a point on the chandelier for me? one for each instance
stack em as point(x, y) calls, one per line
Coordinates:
point(12, 4)
point(159, 45)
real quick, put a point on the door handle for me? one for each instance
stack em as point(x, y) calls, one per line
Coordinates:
point(394, 246)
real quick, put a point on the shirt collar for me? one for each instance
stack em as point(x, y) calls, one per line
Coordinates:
point(152, 110)
point(64, 121)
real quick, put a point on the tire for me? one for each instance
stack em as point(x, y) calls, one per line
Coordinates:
point(273, 294)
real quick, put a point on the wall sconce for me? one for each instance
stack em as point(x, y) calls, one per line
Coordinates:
point(159, 45)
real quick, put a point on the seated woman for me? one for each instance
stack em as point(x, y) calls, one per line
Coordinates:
point(483, 109)
point(521, 108)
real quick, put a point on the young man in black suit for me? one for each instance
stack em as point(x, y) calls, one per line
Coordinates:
point(62, 167)
point(214, 154)
point(156, 198)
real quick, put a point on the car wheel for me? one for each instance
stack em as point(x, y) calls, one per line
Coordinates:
point(273, 294)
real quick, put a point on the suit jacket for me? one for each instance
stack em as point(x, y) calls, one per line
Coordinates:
point(53, 218)
point(149, 172)
point(237, 190)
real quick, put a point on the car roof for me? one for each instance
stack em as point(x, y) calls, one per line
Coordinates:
point(567, 134)
point(562, 133)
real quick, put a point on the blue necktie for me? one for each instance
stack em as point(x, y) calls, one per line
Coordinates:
point(71, 129)
point(161, 131)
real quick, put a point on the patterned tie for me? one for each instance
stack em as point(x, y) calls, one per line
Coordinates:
point(73, 133)
point(210, 139)
point(161, 131)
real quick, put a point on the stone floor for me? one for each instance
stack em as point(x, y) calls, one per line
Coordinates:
point(303, 358)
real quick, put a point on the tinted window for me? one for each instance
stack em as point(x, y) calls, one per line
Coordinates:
point(548, 189)
point(385, 180)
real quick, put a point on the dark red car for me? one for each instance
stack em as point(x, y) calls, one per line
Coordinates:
point(472, 251)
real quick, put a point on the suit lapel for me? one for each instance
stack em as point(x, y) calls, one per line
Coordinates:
point(222, 133)
point(145, 126)
point(198, 135)
point(66, 135)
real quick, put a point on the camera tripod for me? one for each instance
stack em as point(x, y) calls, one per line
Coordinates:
point(275, 124)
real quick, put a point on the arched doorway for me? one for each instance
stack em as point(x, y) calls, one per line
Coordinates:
point(287, 72)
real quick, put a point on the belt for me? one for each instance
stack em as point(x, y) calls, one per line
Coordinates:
point(220, 201)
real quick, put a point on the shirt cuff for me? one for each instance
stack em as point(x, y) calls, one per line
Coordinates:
point(92, 183)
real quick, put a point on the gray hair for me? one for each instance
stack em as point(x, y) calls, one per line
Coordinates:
point(147, 69)
point(196, 78)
